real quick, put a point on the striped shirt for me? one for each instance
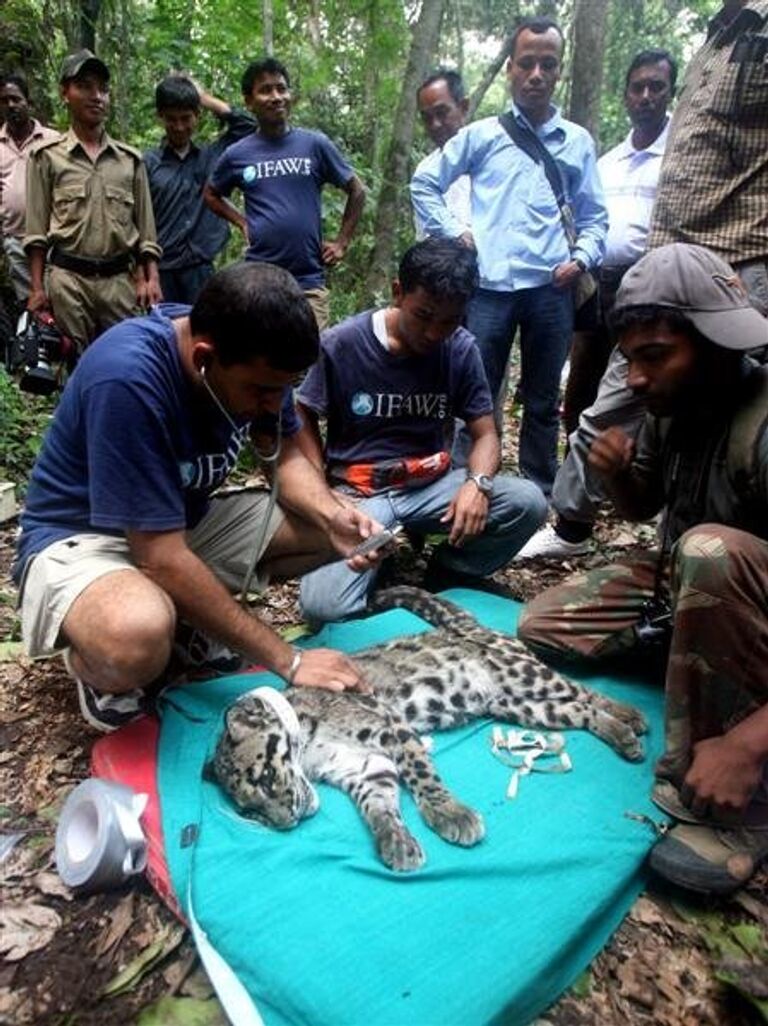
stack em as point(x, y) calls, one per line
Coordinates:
point(713, 189)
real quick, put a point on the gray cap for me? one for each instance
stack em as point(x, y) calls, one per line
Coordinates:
point(81, 63)
point(703, 287)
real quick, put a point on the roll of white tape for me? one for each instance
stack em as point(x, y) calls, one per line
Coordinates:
point(99, 840)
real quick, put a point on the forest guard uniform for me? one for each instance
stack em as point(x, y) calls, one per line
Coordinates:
point(95, 220)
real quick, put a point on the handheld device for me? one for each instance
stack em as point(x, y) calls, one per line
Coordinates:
point(376, 541)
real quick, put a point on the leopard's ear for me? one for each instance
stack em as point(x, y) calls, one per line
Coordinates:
point(246, 717)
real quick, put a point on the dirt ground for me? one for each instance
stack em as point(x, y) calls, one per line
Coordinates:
point(121, 958)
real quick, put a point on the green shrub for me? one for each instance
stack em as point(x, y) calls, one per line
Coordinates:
point(23, 419)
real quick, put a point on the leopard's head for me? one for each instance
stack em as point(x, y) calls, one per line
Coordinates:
point(258, 761)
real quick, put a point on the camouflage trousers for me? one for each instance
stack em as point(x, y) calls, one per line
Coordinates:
point(717, 669)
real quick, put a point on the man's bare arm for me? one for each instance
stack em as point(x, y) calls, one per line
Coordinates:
point(226, 210)
point(38, 299)
point(202, 600)
point(308, 439)
point(334, 250)
point(467, 512)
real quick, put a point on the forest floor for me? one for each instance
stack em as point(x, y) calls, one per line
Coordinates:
point(122, 958)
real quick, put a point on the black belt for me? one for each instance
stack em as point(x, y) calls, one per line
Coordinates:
point(91, 267)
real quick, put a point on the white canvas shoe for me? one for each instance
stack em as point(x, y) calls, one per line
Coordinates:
point(547, 544)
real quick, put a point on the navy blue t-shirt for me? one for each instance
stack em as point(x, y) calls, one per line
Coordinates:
point(379, 406)
point(281, 180)
point(129, 448)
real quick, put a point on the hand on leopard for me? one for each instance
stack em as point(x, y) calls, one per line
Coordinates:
point(327, 668)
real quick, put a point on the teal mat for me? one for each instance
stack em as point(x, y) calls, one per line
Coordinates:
point(322, 934)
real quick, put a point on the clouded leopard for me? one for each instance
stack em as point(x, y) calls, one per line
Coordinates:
point(366, 744)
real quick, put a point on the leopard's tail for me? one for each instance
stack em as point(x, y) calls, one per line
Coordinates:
point(435, 610)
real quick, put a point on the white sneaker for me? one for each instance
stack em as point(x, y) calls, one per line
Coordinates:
point(547, 544)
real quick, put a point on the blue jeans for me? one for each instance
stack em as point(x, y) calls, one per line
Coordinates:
point(517, 509)
point(545, 318)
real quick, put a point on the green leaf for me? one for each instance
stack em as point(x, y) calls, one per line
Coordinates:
point(583, 985)
point(730, 979)
point(752, 939)
point(182, 1011)
point(10, 651)
point(145, 961)
point(300, 630)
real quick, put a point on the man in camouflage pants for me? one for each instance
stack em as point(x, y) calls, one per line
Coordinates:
point(684, 323)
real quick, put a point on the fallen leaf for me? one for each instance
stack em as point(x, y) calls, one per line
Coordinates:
point(647, 911)
point(757, 909)
point(197, 984)
point(752, 939)
point(12, 675)
point(171, 1011)
point(10, 999)
point(750, 978)
point(24, 928)
point(178, 969)
point(635, 984)
point(144, 962)
point(621, 540)
point(119, 923)
point(52, 884)
point(8, 842)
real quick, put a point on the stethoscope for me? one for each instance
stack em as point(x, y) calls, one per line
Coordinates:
point(263, 457)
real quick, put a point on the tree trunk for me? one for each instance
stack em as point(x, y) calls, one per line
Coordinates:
point(313, 25)
point(423, 45)
point(268, 16)
point(587, 49)
point(89, 15)
point(489, 75)
point(372, 130)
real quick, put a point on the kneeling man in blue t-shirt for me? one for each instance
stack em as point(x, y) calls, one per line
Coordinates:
point(390, 384)
point(125, 556)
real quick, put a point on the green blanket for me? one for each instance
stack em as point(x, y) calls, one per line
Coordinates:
point(320, 933)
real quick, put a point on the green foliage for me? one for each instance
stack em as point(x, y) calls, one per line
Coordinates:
point(23, 418)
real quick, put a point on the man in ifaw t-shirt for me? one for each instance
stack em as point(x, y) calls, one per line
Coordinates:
point(281, 171)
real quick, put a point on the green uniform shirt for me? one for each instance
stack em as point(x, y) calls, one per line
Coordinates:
point(97, 209)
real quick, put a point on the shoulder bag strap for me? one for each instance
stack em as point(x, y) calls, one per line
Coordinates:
point(530, 143)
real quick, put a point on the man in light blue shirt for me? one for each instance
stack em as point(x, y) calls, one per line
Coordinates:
point(528, 268)
point(443, 105)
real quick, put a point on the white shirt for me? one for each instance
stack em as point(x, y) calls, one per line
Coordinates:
point(457, 197)
point(630, 178)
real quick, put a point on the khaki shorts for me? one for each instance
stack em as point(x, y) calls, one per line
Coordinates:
point(224, 539)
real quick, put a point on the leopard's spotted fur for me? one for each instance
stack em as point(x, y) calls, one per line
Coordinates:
point(365, 744)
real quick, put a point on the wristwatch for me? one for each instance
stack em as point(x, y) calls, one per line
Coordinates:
point(484, 483)
point(580, 264)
